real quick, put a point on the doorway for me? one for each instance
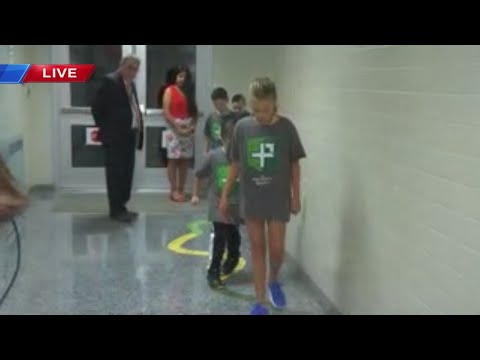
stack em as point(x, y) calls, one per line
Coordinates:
point(78, 159)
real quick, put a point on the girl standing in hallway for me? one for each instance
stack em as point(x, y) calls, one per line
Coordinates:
point(265, 154)
point(180, 112)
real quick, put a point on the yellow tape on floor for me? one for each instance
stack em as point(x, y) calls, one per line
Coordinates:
point(196, 229)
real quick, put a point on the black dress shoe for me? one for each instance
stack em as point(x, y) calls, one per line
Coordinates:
point(123, 217)
point(133, 215)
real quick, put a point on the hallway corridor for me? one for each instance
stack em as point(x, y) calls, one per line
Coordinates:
point(87, 264)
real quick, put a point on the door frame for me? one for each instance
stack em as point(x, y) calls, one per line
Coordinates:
point(64, 116)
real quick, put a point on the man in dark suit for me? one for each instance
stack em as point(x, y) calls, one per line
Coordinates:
point(117, 114)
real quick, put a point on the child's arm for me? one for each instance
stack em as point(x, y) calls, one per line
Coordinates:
point(233, 173)
point(204, 171)
point(233, 156)
point(297, 152)
point(296, 203)
point(195, 191)
point(207, 144)
point(206, 132)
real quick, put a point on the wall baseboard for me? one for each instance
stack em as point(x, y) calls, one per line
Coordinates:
point(327, 305)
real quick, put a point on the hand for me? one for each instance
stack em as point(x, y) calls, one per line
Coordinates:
point(224, 209)
point(179, 130)
point(295, 206)
point(187, 131)
point(11, 206)
point(195, 200)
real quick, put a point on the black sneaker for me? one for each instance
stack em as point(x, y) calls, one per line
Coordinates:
point(214, 280)
point(229, 265)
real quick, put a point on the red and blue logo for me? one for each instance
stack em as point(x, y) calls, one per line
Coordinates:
point(33, 73)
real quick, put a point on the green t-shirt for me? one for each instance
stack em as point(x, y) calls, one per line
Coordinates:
point(213, 127)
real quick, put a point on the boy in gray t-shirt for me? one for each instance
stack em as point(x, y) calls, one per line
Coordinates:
point(265, 153)
point(226, 232)
point(213, 126)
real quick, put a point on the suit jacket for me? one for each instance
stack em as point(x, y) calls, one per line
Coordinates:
point(112, 112)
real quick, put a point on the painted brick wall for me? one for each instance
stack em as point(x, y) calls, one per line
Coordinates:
point(392, 183)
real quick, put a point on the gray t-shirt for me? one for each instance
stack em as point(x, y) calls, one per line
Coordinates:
point(215, 168)
point(266, 154)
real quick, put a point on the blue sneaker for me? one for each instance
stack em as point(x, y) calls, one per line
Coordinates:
point(276, 295)
point(259, 309)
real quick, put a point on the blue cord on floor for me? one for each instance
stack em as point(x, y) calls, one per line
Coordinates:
point(17, 268)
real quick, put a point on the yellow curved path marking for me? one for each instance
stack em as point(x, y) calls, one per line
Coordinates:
point(195, 228)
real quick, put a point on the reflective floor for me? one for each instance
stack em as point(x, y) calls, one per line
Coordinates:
point(87, 264)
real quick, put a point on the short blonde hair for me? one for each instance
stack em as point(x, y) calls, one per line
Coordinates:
point(263, 88)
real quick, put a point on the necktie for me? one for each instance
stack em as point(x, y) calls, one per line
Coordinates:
point(133, 104)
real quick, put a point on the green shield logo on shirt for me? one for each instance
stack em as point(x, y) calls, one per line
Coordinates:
point(221, 175)
point(261, 154)
point(215, 130)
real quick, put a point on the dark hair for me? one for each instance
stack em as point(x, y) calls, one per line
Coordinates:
point(188, 88)
point(238, 98)
point(219, 94)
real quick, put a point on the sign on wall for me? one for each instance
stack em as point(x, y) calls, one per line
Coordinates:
point(92, 136)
